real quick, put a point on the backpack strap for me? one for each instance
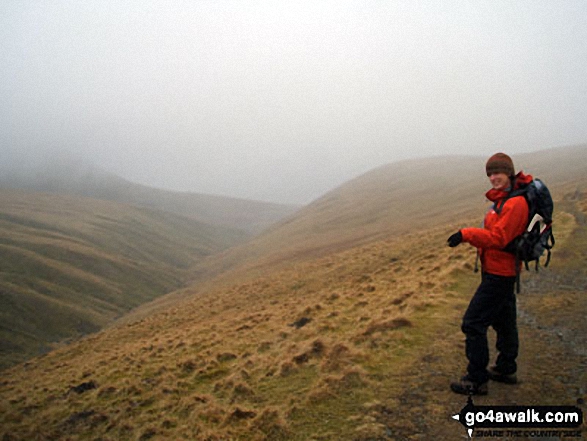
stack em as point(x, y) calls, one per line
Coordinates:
point(548, 246)
point(498, 205)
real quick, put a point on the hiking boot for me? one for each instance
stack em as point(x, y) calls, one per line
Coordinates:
point(496, 375)
point(468, 387)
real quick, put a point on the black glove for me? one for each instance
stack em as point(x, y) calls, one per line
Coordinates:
point(455, 239)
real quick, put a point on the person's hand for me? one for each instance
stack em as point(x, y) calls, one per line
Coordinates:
point(455, 239)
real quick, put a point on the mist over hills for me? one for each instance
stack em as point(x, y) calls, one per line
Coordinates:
point(64, 174)
point(392, 200)
point(80, 247)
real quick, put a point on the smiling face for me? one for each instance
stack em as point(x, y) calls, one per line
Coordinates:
point(499, 181)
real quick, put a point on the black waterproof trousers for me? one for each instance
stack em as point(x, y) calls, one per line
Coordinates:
point(494, 304)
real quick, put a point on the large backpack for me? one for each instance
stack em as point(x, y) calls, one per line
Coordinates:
point(538, 236)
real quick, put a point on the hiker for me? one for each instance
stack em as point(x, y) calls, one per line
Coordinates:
point(494, 302)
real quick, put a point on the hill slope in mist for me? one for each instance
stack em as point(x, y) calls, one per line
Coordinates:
point(357, 344)
point(389, 201)
point(64, 175)
point(70, 265)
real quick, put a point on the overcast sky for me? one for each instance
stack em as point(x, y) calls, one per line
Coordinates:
point(284, 100)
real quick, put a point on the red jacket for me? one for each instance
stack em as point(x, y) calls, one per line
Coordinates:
point(499, 230)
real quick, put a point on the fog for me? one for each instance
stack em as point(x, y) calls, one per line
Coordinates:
point(282, 101)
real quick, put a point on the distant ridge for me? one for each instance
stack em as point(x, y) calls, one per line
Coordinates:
point(65, 175)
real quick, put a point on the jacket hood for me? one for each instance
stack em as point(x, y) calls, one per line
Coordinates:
point(519, 180)
point(522, 179)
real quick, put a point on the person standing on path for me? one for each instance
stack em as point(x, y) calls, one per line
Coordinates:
point(494, 302)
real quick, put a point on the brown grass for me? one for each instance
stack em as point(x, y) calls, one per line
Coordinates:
point(227, 364)
point(232, 360)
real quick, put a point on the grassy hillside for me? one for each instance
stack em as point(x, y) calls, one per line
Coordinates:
point(356, 344)
point(66, 176)
point(389, 201)
point(70, 265)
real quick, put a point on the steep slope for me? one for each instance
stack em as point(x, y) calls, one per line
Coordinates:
point(390, 201)
point(358, 344)
point(70, 265)
point(64, 175)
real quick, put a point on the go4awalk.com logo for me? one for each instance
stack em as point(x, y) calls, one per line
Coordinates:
point(520, 421)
